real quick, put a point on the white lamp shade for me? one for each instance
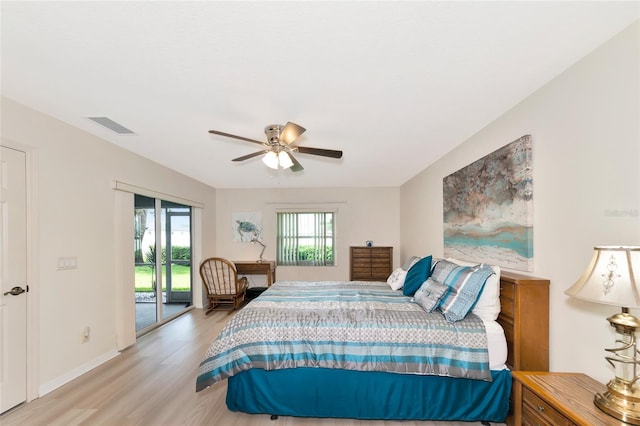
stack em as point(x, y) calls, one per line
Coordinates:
point(271, 160)
point(285, 160)
point(612, 278)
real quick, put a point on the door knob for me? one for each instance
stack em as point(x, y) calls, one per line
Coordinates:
point(15, 291)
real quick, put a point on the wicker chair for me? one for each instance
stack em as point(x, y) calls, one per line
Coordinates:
point(224, 288)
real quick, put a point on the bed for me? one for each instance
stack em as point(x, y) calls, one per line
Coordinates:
point(344, 367)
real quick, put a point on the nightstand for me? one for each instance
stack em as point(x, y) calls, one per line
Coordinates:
point(555, 399)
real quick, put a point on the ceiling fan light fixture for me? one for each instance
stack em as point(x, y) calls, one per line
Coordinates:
point(270, 159)
point(285, 160)
point(279, 150)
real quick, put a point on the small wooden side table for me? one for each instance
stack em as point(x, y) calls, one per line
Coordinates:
point(556, 399)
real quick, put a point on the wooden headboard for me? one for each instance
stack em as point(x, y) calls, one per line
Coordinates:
point(524, 315)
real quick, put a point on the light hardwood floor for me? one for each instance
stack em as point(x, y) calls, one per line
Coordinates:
point(153, 383)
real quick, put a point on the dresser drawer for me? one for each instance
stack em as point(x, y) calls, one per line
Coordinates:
point(380, 262)
point(536, 411)
point(531, 418)
point(379, 275)
point(380, 252)
point(507, 290)
point(358, 274)
point(508, 334)
point(361, 258)
point(507, 299)
point(361, 252)
point(361, 263)
point(507, 307)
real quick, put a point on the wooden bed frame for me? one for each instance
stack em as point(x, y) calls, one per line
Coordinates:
point(524, 317)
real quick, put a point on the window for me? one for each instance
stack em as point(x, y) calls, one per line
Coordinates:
point(305, 239)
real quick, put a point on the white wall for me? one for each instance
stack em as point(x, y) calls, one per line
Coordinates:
point(362, 214)
point(586, 159)
point(75, 217)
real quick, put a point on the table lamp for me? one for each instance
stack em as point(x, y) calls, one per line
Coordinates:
point(613, 278)
point(255, 240)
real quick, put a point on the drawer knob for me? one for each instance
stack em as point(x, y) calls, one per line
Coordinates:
point(540, 408)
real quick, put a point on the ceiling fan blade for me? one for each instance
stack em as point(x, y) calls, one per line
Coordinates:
point(254, 154)
point(319, 151)
point(290, 132)
point(297, 167)
point(229, 135)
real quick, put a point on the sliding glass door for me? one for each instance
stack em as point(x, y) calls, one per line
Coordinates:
point(176, 222)
point(163, 270)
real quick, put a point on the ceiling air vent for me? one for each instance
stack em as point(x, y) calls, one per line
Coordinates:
point(111, 125)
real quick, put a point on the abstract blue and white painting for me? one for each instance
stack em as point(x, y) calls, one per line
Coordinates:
point(488, 208)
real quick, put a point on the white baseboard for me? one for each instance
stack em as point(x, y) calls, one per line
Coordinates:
point(45, 388)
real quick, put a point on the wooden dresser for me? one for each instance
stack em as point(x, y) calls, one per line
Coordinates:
point(371, 263)
point(527, 341)
point(558, 399)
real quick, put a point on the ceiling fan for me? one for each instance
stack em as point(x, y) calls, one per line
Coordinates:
point(278, 149)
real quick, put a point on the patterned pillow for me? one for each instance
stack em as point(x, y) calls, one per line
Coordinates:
point(396, 279)
point(430, 294)
point(416, 275)
point(488, 304)
point(465, 286)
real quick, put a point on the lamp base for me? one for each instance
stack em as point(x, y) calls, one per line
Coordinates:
point(621, 400)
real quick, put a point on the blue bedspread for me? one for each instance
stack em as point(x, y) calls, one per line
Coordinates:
point(359, 326)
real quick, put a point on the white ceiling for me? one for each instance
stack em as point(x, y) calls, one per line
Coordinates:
point(395, 85)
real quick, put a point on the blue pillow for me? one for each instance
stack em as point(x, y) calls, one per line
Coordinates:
point(417, 275)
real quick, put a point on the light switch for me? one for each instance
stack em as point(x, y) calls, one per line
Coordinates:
point(66, 263)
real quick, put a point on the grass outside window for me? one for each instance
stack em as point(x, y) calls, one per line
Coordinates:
point(181, 277)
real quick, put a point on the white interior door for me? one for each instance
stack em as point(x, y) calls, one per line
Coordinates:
point(13, 283)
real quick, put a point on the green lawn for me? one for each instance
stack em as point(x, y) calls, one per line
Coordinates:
point(180, 278)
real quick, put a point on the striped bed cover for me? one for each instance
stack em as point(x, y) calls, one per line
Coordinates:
point(359, 326)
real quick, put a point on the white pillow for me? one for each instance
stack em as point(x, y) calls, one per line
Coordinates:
point(488, 305)
point(409, 263)
point(396, 279)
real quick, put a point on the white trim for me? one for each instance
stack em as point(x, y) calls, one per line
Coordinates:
point(33, 260)
point(135, 189)
point(319, 209)
point(304, 203)
point(124, 270)
point(77, 372)
point(33, 277)
point(197, 296)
